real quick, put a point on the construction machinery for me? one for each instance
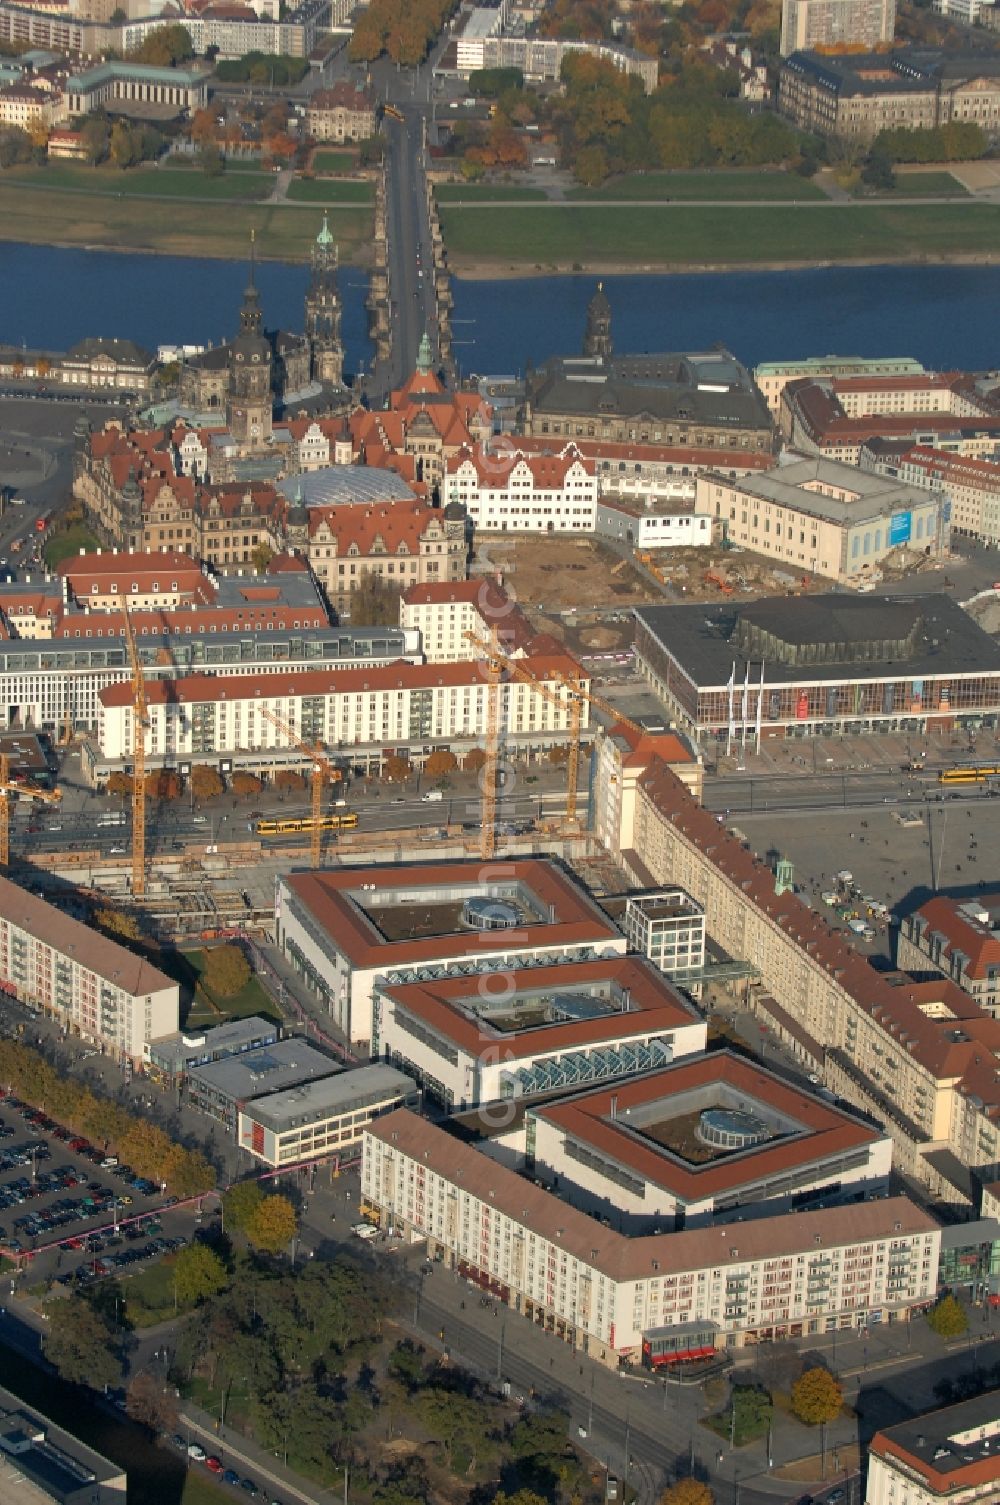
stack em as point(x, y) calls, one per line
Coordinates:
point(140, 721)
point(573, 691)
point(8, 791)
point(323, 773)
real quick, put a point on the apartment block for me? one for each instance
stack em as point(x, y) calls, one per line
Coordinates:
point(917, 1056)
point(94, 987)
point(450, 617)
point(949, 1455)
point(807, 24)
point(607, 1293)
point(960, 939)
point(411, 708)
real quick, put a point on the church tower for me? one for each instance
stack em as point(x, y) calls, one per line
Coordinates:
point(250, 403)
point(323, 312)
point(597, 335)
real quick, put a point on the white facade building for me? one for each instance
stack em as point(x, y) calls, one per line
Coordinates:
point(510, 492)
point(793, 1274)
point(950, 1455)
point(94, 987)
point(668, 927)
point(323, 1119)
point(361, 709)
point(451, 616)
point(552, 1026)
point(647, 525)
point(337, 928)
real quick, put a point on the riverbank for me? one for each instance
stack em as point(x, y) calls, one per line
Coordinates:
point(45, 216)
point(674, 238)
point(483, 271)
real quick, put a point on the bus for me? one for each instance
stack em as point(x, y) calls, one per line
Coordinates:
point(678, 1344)
point(294, 825)
point(42, 522)
point(969, 775)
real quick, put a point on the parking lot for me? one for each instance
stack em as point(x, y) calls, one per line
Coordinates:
point(65, 1202)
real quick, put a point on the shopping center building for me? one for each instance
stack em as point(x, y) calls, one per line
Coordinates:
point(344, 929)
point(479, 1038)
point(606, 1293)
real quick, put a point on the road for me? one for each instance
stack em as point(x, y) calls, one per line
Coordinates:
point(756, 794)
point(410, 262)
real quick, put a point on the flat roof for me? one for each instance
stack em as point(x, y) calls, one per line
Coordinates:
point(866, 495)
point(54, 1460)
point(189, 1045)
point(600, 1118)
point(951, 1449)
point(451, 1007)
point(361, 1087)
point(268, 1069)
point(620, 1256)
point(701, 638)
point(328, 896)
point(80, 943)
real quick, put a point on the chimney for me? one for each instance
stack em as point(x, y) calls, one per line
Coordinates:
point(614, 1106)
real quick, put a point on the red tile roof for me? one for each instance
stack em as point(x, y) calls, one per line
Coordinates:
point(624, 1258)
point(587, 1119)
point(962, 1049)
point(976, 941)
point(654, 1007)
point(327, 895)
point(493, 466)
point(398, 526)
point(205, 688)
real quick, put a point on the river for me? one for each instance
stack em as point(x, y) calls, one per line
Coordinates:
point(942, 315)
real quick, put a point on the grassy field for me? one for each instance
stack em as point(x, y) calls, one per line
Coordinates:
point(251, 1000)
point(487, 193)
point(176, 229)
point(329, 191)
point(67, 544)
point(699, 186)
point(326, 161)
point(166, 182)
point(920, 185)
point(565, 235)
point(149, 1295)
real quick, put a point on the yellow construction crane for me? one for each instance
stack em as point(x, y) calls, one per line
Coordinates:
point(578, 697)
point(323, 772)
point(140, 721)
point(9, 790)
point(491, 768)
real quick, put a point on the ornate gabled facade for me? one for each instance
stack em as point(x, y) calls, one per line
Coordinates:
point(404, 542)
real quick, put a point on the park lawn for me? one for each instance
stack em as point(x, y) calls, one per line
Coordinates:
point(496, 193)
point(176, 229)
point(201, 1489)
point(567, 235)
point(694, 186)
point(326, 161)
point(253, 999)
point(145, 182)
point(149, 1295)
point(330, 191)
point(919, 185)
point(67, 544)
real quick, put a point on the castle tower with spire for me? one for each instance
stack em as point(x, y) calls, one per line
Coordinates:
point(249, 407)
point(597, 335)
point(323, 312)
